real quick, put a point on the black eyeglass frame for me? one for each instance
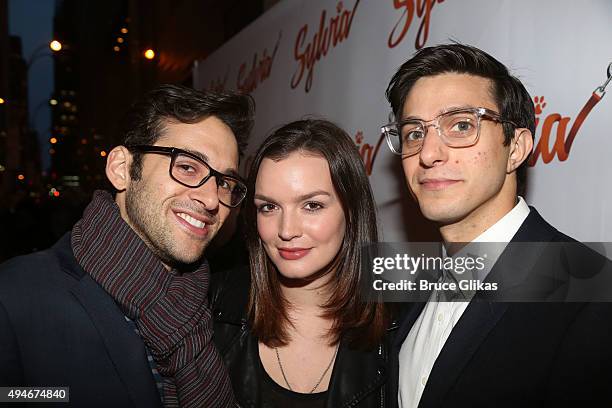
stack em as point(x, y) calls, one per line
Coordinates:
point(425, 124)
point(173, 152)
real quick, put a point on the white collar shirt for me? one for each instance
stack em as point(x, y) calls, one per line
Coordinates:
point(432, 328)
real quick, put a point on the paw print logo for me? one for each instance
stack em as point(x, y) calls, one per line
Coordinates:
point(359, 137)
point(539, 104)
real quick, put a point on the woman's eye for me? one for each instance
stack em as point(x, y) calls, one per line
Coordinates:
point(265, 208)
point(313, 206)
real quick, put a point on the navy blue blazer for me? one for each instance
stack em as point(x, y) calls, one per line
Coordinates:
point(522, 354)
point(58, 327)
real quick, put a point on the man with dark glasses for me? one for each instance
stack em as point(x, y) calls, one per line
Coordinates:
point(463, 131)
point(117, 309)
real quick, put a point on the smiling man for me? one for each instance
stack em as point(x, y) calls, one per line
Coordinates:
point(117, 309)
point(464, 132)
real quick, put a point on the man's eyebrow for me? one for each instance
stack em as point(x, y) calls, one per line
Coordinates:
point(197, 154)
point(440, 112)
point(454, 108)
point(230, 171)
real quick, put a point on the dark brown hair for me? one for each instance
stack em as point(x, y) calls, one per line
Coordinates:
point(145, 121)
point(361, 322)
point(511, 97)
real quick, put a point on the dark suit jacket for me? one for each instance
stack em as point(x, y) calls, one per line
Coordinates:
point(58, 327)
point(523, 354)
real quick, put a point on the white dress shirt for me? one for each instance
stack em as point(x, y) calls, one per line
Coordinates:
point(437, 319)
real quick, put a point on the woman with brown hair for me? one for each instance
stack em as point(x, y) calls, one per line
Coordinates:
point(307, 337)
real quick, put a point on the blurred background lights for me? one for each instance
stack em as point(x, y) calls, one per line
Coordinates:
point(55, 45)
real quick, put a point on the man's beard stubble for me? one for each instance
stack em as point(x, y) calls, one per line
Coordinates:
point(148, 223)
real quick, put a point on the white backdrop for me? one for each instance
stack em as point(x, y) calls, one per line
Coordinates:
point(334, 59)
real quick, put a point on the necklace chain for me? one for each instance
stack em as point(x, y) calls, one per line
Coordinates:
point(320, 379)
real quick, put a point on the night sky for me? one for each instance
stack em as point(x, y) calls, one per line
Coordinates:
point(32, 20)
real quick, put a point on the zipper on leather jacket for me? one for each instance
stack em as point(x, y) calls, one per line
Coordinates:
point(382, 389)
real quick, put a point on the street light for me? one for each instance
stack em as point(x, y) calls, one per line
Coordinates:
point(55, 45)
point(149, 54)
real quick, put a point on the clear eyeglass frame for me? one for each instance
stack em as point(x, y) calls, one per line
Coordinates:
point(231, 190)
point(406, 137)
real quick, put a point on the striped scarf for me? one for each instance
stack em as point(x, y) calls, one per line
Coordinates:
point(170, 309)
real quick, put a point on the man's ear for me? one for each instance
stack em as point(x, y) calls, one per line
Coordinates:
point(520, 148)
point(118, 167)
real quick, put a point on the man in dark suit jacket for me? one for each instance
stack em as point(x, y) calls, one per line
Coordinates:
point(117, 309)
point(464, 132)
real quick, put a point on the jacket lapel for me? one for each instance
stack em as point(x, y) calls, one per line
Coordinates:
point(362, 372)
point(473, 327)
point(481, 315)
point(124, 347)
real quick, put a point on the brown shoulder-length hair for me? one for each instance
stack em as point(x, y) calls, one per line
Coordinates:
point(361, 322)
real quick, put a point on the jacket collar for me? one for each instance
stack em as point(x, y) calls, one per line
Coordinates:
point(124, 347)
point(478, 319)
point(356, 374)
point(481, 316)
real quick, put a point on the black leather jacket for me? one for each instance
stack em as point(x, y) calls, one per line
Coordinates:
point(359, 378)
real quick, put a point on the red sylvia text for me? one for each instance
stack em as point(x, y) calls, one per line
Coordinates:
point(219, 84)
point(260, 70)
point(563, 139)
point(331, 32)
point(423, 11)
point(367, 151)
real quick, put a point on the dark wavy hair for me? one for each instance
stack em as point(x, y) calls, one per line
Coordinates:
point(361, 323)
point(145, 121)
point(513, 101)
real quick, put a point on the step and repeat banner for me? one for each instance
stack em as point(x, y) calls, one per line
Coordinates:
point(334, 59)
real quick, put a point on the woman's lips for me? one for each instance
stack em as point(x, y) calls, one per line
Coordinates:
point(292, 254)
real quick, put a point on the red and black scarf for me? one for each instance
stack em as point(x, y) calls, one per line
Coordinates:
point(170, 309)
